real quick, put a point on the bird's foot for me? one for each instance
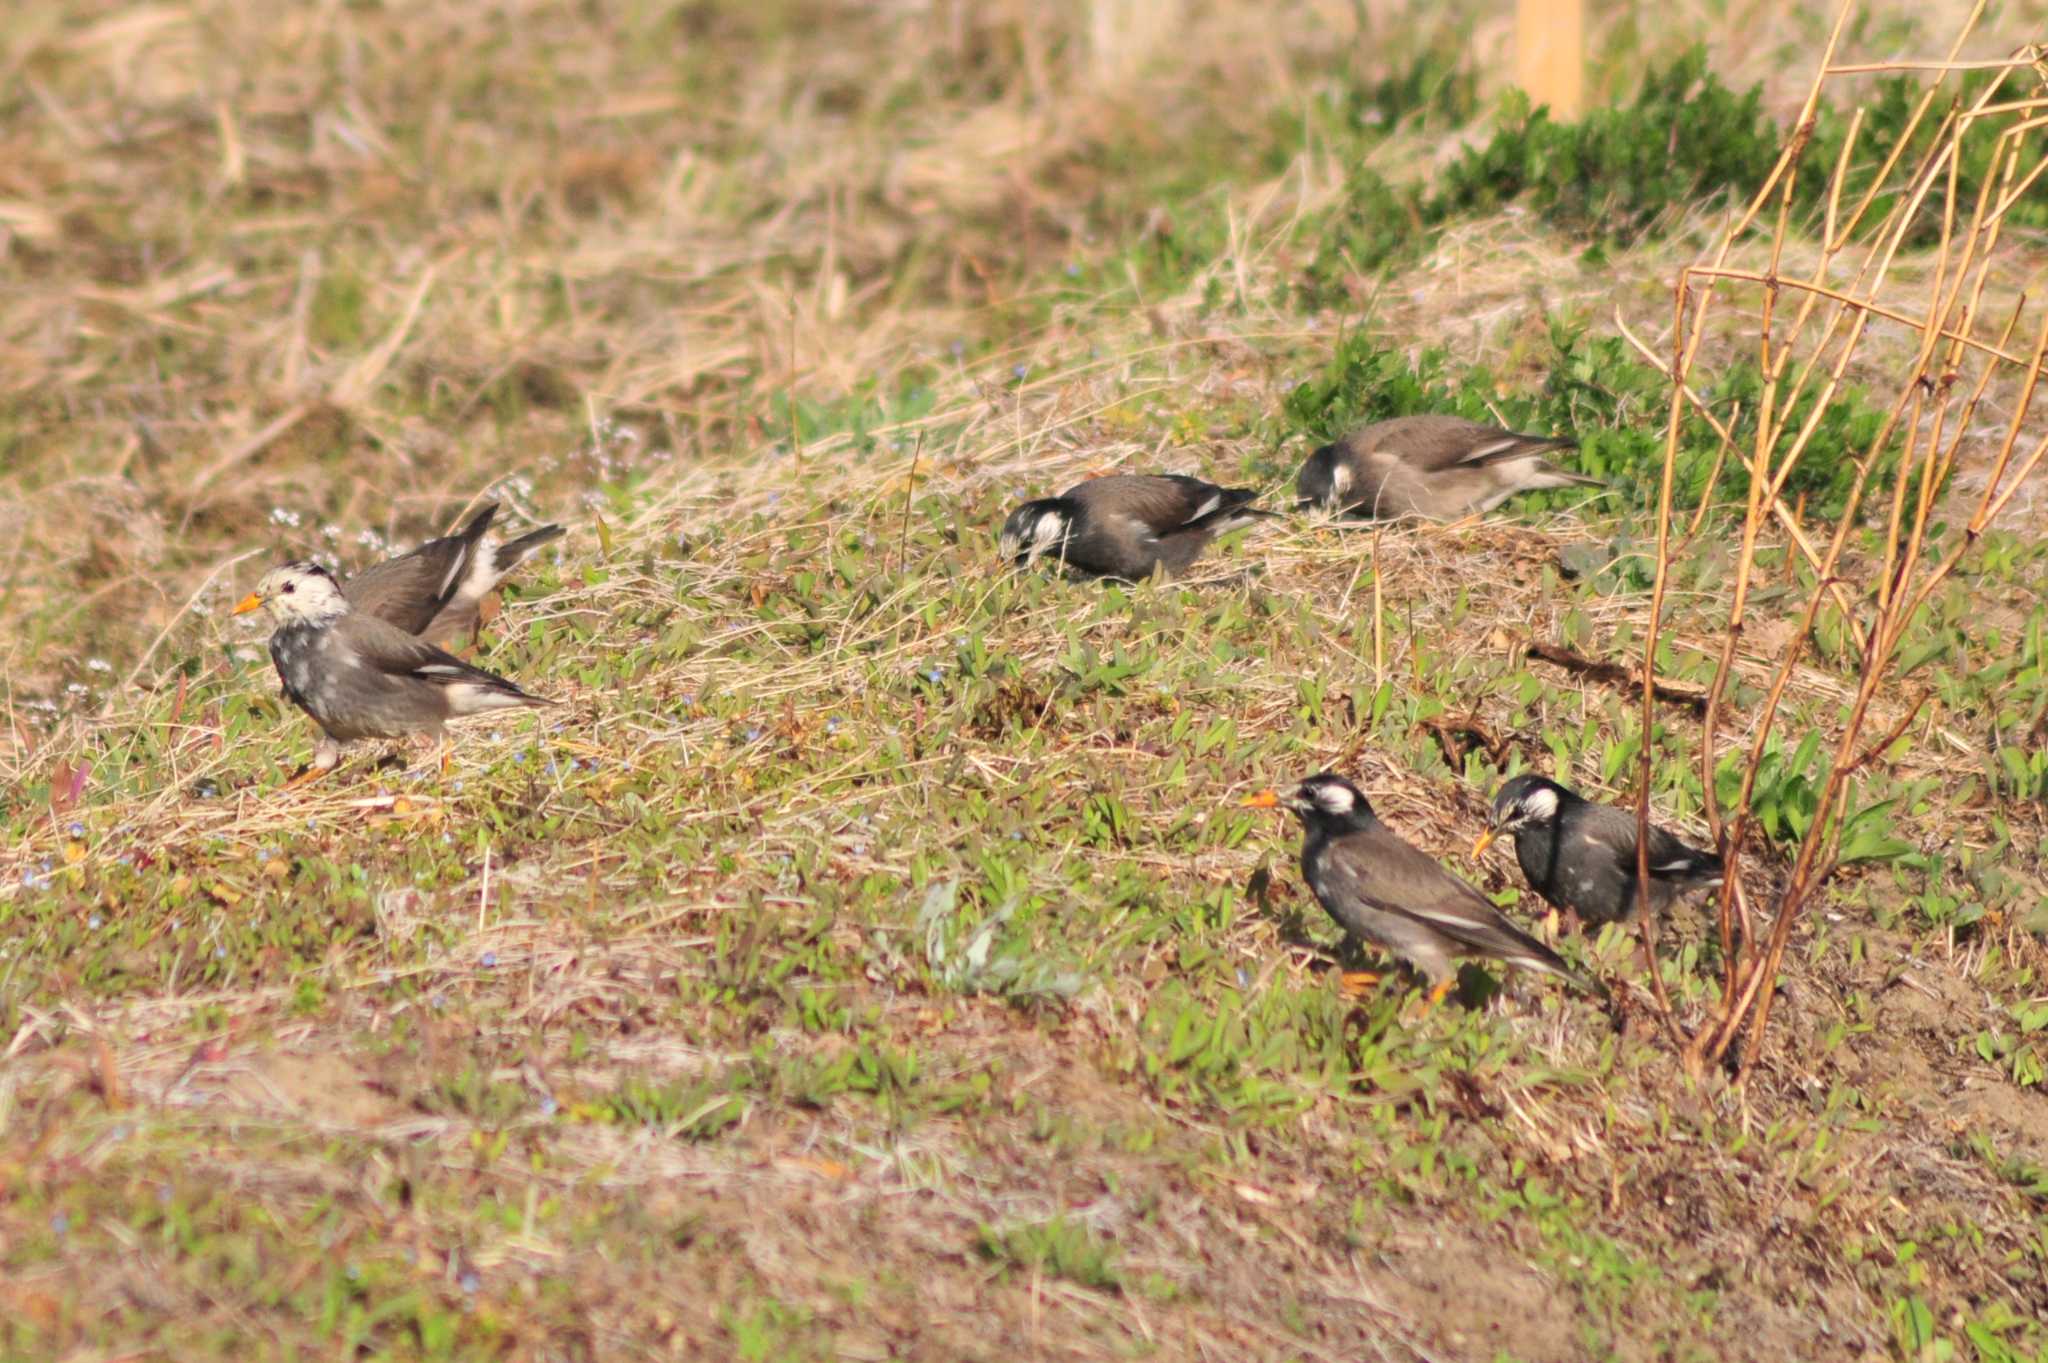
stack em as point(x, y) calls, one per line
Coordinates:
point(1436, 995)
point(1553, 924)
point(1354, 984)
point(305, 775)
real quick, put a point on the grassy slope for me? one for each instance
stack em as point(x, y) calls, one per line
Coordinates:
point(872, 961)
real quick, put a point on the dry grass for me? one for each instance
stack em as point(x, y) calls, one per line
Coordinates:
point(655, 1031)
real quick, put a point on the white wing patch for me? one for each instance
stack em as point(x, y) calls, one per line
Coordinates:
point(1215, 500)
point(1144, 533)
point(470, 698)
point(1490, 448)
point(454, 571)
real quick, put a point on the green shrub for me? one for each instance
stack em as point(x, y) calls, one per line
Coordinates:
point(1686, 140)
point(1598, 391)
point(1613, 174)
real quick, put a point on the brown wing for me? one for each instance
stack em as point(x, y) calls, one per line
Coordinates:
point(385, 648)
point(408, 592)
point(1389, 875)
point(1436, 442)
point(411, 590)
point(1163, 503)
point(1671, 857)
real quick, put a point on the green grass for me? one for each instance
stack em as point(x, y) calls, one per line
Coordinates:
point(870, 958)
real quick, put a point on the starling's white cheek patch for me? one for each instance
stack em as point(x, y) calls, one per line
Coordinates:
point(1340, 479)
point(1336, 799)
point(1047, 532)
point(1540, 803)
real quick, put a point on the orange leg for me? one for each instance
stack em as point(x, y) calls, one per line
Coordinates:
point(1436, 995)
point(1356, 983)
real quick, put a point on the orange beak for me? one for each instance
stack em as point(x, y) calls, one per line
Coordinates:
point(246, 604)
point(1265, 799)
point(1483, 841)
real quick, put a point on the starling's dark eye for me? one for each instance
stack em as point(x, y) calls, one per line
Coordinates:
point(287, 589)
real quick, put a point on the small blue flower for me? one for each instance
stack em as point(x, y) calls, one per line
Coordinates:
point(352, 1273)
point(488, 959)
point(548, 1106)
point(220, 953)
point(958, 348)
point(163, 1194)
point(93, 923)
point(934, 676)
point(1073, 271)
point(469, 1281)
point(1019, 370)
point(752, 734)
point(519, 757)
point(1244, 978)
point(77, 830)
point(60, 1223)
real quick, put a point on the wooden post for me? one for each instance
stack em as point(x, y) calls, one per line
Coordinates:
point(1550, 54)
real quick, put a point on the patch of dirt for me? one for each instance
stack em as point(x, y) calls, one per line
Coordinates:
point(319, 1090)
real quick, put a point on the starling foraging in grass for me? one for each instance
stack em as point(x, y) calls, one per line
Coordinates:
point(1126, 525)
point(1394, 896)
point(437, 590)
point(1438, 467)
point(362, 677)
point(1581, 856)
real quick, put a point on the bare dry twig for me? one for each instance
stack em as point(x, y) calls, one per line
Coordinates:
point(1849, 285)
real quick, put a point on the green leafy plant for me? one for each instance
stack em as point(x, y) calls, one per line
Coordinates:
point(1599, 391)
point(1058, 1248)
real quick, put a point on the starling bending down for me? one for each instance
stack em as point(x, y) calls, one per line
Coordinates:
point(1126, 525)
point(437, 590)
point(1438, 467)
point(1394, 896)
point(362, 677)
point(1581, 856)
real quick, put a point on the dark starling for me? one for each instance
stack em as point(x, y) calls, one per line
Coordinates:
point(1394, 896)
point(362, 677)
point(1581, 856)
point(1438, 467)
point(1126, 525)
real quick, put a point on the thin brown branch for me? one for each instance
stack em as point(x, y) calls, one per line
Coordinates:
point(1614, 674)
